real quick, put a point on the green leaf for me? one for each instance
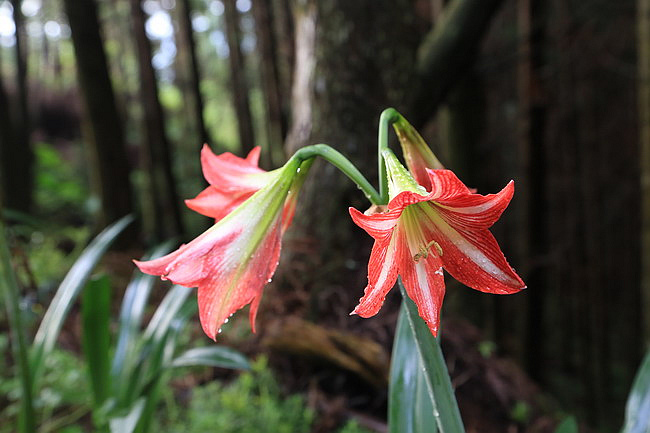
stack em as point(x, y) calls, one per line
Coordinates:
point(637, 410)
point(151, 357)
point(212, 356)
point(433, 372)
point(68, 291)
point(126, 424)
point(95, 316)
point(133, 307)
point(410, 409)
point(568, 425)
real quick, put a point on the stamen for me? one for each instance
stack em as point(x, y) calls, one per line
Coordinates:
point(424, 251)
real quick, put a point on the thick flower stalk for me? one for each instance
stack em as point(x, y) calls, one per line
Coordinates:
point(232, 261)
point(232, 181)
point(424, 232)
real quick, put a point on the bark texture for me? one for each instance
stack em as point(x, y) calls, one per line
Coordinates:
point(164, 213)
point(109, 166)
point(238, 81)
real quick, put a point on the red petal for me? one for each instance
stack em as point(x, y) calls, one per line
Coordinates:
point(382, 274)
point(376, 225)
point(254, 156)
point(445, 184)
point(476, 211)
point(215, 204)
point(225, 171)
point(470, 255)
point(425, 284)
point(226, 291)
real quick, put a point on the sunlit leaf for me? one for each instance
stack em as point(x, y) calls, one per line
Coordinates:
point(68, 291)
point(431, 380)
point(637, 410)
point(213, 356)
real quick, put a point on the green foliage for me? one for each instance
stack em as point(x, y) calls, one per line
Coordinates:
point(568, 425)
point(59, 186)
point(64, 391)
point(520, 412)
point(253, 403)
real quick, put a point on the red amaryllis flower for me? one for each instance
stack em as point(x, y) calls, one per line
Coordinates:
point(423, 233)
point(232, 180)
point(232, 261)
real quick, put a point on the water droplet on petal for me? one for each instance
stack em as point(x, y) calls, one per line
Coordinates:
point(219, 331)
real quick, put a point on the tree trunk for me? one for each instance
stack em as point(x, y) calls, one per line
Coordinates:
point(532, 211)
point(336, 100)
point(164, 214)
point(109, 167)
point(238, 82)
point(186, 35)
point(283, 29)
point(643, 46)
point(6, 146)
point(276, 120)
point(18, 179)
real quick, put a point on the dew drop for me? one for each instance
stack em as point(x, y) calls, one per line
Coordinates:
point(269, 280)
point(219, 331)
point(225, 321)
point(298, 171)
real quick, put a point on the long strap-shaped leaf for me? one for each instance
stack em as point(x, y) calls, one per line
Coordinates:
point(96, 337)
point(133, 307)
point(410, 408)
point(68, 291)
point(637, 411)
point(432, 377)
point(213, 356)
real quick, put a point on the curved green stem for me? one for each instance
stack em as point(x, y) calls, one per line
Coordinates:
point(342, 163)
point(387, 118)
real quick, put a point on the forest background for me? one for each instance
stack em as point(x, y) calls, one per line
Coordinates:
point(105, 105)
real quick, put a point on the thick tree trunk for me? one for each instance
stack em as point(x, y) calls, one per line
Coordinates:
point(109, 167)
point(276, 120)
point(342, 81)
point(643, 47)
point(194, 77)
point(238, 82)
point(165, 218)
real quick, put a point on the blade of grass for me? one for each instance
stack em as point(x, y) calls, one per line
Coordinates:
point(67, 292)
point(212, 356)
point(436, 376)
point(410, 408)
point(95, 316)
point(9, 283)
point(637, 410)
